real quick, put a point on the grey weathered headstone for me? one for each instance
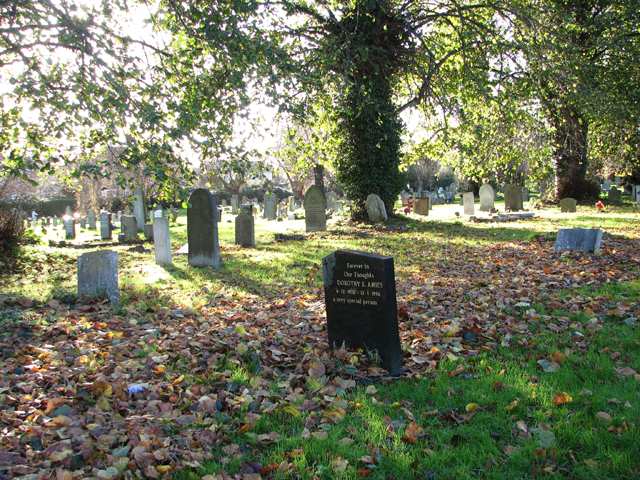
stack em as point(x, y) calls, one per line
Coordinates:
point(148, 231)
point(244, 200)
point(513, 198)
point(55, 221)
point(338, 205)
point(331, 197)
point(68, 211)
point(224, 202)
point(245, 231)
point(234, 204)
point(376, 209)
point(91, 219)
point(83, 223)
point(129, 226)
point(315, 210)
point(468, 201)
point(292, 203)
point(578, 239)
point(105, 225)
point(420, 185)
point(69, 227)
point(453, 189)
point(360, 298)
point(270, 205)
point(615, 195)
point(636, 191)
point(421, 206)
point(162, 240)
point(202, 230)
point(98, 275)
point(606, 187)
point(138, 208)
point(487, 197)
point(568, 205)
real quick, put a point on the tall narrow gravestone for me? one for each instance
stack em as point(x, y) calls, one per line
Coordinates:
point(487, 197)
point(513, 198)
point(586, 239)
point(315, 210)
point(69, 227)
point(98, 275)
point(91, 219)
point(468, 200)
point(234, 204)
point(105, 225)
point(270, 203)
point(202, 230)
point(360, 297)
point(162, 240)
point(245, 232)
point(138, 209)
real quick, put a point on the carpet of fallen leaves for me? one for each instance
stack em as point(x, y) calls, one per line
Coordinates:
point(87, 391)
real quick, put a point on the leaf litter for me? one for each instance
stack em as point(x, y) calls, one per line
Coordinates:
point(91, 391)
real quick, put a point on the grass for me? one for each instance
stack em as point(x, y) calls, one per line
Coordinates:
point(517, 428)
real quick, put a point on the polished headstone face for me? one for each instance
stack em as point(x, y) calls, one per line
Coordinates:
point(98, 275)
point(487, 197)
point(202, 230)
point(586, 239)
point(360, 297)
point(315, 210)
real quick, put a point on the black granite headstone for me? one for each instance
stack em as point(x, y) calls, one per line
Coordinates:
point(202, 230)
point(360, 296)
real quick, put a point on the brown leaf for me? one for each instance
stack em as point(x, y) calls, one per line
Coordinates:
point(334, 416)
point(317, 369)
point(101, 389)
point(415, 431)
point(561, 399)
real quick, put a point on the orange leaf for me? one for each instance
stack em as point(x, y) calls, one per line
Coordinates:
point(244, 428)
point(415, 431)
point(363, 472)
point(558, 357)
point(561, 399)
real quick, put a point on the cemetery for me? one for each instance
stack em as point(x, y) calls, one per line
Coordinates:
point(248, 342)
point(381, 239)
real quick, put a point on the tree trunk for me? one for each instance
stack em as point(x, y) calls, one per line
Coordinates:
point(570, 153)
point(318, 174)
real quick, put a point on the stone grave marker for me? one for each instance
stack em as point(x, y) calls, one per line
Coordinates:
point(83, 223)
point(55, 221)
point(69, 227)
point(606, 187)
point(162, 240)
point(224, 202)
point(148, 231)
point(635, 191)
point(487, 197)
point(421, 206)
point(68, 211)
point(245, 230)
point(615, 195)
point(587, 239)
point(105, 225)
point(513, 198)
point(234, 204)
point(98, 275)
point(91, 219)
point(468, 202)
point(292, 203)
point(270, 205)
point(315, 210)
point(138, 208)
point(568, 205)
point(202, 230)
point(376, 209)
point(244, 201)
point(360, 298)
point(331, 197)
point(129, 226)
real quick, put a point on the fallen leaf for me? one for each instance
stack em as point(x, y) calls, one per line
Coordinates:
point(317, 370)
point(561, 399)
point(339, 464)
point(603, 417)
point(415, 431)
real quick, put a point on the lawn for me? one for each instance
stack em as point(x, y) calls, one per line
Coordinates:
point(518, 362)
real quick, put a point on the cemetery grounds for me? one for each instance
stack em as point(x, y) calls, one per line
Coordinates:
point(518, 362)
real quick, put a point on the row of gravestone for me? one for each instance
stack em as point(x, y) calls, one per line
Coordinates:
point(359, 287)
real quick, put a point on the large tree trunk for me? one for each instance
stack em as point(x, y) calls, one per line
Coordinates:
point(318, 174)
point(570, 153)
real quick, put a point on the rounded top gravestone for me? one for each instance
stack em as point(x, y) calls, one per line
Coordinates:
point(376, 209)
point(487, 196)
point(315, 209)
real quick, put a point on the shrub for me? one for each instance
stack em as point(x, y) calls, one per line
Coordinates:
point(12, 227)
point(53, 208)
